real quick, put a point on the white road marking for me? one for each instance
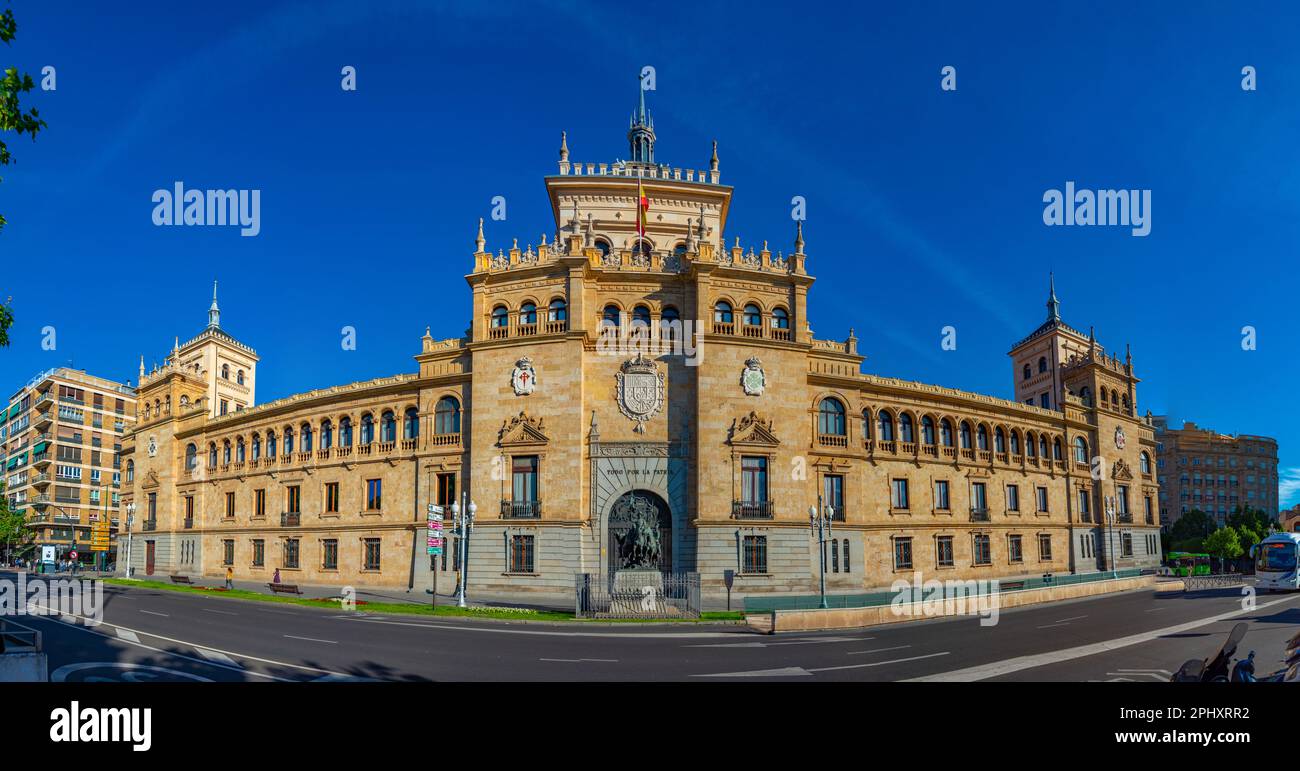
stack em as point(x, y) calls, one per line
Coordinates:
point(218, 657)
point(1071, 618)
point(800, 641)
point(344, 679)
point(155, 613)
point(880, 650)
point(128, 635)
point(1153, 610)
point(998, 668)
point(575, 661)
point(801, 672)
point(626, 636)
point(881, 663)
point(222, 612)
point(312, 639)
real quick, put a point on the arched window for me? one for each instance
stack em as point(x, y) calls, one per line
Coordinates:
point(257, 447)
point(905, 432)
point(641, 248)
point(1114, 397)
point(239, 377)
point(603, 247)
point(1056, 449)
point(982, 438)
point(367, 429)
point(830, 417)
point(528, 313)
point(1144, 462)
point(945, 432)
point(191, 457)
point(1080, 450)
point(212, 455)
point(1027, 373)
point(239, 450)
point(965, 435)
point(500, 317)
point(722, 312)
point(670, 322)
point(225, 371)
point(780, 318)
point(999, 441)
point(1015, 442)
point(185, 401)
point(680, 250)
point(270, 444)
point(130, 470)
point(885, 426)
point(1042, 447)
point(753, 316)
point(304, 437)
point(641, 316)
point(1030, 445)
point(611, 315)
point(446, 416)
point(345, 431)
point(559, 310)
point(927, 429)
point(288, 440)
point(1105, 397)
point(411, 424)
point(1085, 396)
point(388, 427)
point(1042, 364)
point(326, 434)
point(225, 452)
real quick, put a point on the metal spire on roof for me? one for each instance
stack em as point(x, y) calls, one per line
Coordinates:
point(214, 312)
point(1053, 304)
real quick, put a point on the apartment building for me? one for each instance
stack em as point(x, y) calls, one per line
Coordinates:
point(1203, 470)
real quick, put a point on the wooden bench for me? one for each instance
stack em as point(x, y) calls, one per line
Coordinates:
point(182, 580)
point(284, 589)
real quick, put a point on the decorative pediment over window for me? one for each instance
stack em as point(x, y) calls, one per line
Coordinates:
point(150, 481)
point(1121, 471)
point(752, 430)
point(522, 430)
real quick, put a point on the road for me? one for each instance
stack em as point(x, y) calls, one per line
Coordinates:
point(150, 634)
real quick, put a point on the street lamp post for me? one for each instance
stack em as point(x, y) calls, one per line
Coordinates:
point(463, 516)
point(130, 516)
point(1110, 535)
point(819, 522)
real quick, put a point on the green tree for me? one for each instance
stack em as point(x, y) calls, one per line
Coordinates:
point(1193, 524)
point(1224, 543)
point(12, 525)
point(14, 83)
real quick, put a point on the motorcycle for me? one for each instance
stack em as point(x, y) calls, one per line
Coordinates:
point(1219, 669)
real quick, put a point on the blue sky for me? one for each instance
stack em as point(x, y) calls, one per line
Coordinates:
point(924, 206)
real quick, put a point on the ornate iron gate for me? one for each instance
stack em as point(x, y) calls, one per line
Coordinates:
point(637, 594)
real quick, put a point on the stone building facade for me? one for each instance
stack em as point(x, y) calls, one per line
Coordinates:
point(636, 369)
point(1203, 470)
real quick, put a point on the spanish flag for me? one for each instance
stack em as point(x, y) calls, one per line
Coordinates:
point(643, 206)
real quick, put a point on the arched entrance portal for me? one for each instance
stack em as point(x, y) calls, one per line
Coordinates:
point(640, 533)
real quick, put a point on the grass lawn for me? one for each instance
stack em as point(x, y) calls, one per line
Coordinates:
point(443, 609)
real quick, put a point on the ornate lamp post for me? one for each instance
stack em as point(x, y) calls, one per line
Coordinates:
point(1110, 524)
point(819, 522)
point(130, 517)
point(464, 519)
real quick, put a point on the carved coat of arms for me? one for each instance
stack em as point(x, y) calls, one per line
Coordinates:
point(752, 378)
point(1119, 437)
point(152, 447)
point(640, 390)
point(524, 377)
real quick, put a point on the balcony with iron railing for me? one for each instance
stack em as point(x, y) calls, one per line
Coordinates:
point(751, 509)
point(290, 519)
point(979, 514)
point(521, 509)
point(149, 525)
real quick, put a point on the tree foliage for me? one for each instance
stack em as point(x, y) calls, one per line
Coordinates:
point(12, 86)
point(1224, 543)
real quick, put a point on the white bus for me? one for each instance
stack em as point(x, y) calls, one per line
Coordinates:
point(1277, 562)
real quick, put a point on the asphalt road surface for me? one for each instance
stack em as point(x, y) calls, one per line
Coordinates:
point(156, 635)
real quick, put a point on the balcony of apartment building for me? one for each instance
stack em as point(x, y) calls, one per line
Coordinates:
point(41, 460)
point(521, 509)
point(149, 525)
point(41, 480)
point(752, 509)
point(979, 514)
point(290, 518)
point(43, 419)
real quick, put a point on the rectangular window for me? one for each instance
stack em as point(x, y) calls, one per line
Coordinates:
point(1045, 547)
point(372, 554)
point(230, 505)
point(1122, 499)
point(330, 554)
point(259, 552)
point(523, 478)
point(521, 553)
point(941, 495)
point(902, 554)
point(845, 545)
point(1126, 544)
point(1015, 550)
point(898, 493)
point(374, 494)
point(1013, 498)
point(753, 554)
point(259, 503)
point(189, 508)
point(1146, 507)
point(982, 551)
point(943, 551)
point(833, 495)
point(753, 478)
point(227, 552)
point(446, 489)
point(293, 499)
point(1085, 513)
point(979, 503)
point(835, 555)
point(1042, 499)
point(331, 497)
point(291, 553)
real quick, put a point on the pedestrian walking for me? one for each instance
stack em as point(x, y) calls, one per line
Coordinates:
point(275, 579)
point(230, 575)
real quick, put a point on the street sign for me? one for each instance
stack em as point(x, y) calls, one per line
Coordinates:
point(435, 509)
point(435, 551)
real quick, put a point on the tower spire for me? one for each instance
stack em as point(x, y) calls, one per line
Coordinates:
point(479, 240)
point(214, 312)
point(1053, 304)
point(641, 132)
